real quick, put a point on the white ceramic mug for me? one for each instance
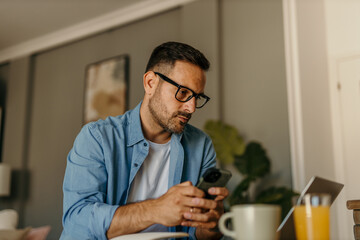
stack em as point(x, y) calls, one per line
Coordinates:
point(252, 221)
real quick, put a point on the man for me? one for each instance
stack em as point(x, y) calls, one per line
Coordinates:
point(137, 172)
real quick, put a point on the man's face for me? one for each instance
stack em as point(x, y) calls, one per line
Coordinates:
point(168, 112)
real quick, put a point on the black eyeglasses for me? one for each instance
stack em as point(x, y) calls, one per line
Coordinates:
point(184, 94)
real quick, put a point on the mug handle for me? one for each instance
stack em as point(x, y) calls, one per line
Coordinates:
point(223, 227)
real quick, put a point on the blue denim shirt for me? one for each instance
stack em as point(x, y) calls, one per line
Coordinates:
point(103, 163)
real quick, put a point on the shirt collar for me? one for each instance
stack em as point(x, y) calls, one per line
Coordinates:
point(135, 128)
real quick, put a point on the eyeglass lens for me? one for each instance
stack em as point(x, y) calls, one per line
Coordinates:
point(184, 95)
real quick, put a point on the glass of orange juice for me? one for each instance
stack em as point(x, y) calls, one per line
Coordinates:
point(312, 216)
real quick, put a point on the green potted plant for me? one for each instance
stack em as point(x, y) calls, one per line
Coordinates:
point(252, 162)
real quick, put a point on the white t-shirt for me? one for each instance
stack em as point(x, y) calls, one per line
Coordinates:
point(151, 181)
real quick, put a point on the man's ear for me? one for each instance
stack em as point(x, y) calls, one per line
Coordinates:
point(150, 81)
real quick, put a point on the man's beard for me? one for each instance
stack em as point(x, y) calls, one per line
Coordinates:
point(159, 112)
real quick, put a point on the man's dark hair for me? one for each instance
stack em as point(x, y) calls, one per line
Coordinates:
point(170, 52)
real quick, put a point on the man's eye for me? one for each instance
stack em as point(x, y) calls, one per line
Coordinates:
point(184, 91)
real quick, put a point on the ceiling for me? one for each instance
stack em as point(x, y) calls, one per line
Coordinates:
point(23, 20)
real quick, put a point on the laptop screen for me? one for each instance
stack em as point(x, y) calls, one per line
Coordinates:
point(315, 185)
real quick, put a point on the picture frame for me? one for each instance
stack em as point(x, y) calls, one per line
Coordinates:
point(106, 88)
point(1, 130)
point(0, 122)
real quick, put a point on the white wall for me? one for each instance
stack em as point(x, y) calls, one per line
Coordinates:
point(326, 32)
point(343, 48)
point(342, 26)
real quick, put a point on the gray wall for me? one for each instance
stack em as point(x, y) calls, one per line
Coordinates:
point(203, 33)
point(58, 103)
point(254, 80)
point(243, 41)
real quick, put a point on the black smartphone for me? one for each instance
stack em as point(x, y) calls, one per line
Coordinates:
point(213, 177)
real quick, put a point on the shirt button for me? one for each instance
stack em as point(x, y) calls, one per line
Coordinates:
point(145, 144)
point(135, 164)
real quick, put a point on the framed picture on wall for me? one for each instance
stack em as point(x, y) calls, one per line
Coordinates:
point(0, 122)
point(1, 129)
point(106, 88)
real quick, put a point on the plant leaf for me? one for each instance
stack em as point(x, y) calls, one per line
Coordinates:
point(226, 140)
point(277, 195)
point(253, 163)
point(240, 194)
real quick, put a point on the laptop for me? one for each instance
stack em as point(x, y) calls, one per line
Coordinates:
point(315, 185)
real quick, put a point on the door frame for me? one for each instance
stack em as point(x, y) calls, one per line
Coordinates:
point(294, 94)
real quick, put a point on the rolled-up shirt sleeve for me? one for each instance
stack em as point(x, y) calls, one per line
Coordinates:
point(85, 212)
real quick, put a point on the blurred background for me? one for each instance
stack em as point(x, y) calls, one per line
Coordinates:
point(285, 73)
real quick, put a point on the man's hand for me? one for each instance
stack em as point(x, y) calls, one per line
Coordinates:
point(205, 220)
point(170, 209)
point(177, 201)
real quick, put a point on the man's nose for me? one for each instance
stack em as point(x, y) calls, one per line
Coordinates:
point(191, 105)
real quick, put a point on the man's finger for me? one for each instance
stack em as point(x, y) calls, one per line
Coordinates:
point(203, 203)
point(201, 217)
point(220, 191)
point(194, 210)
point(192, 191)
point(187, 183)
point(207, 225)
point(189, 202)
